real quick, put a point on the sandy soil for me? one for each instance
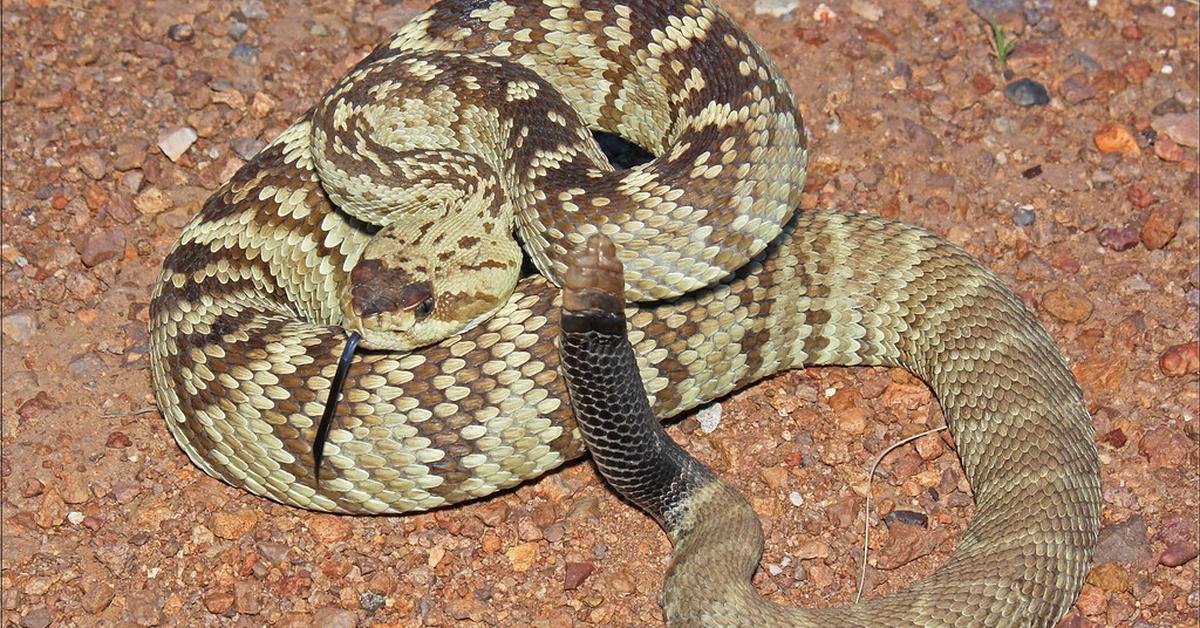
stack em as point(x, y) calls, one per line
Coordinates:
point(1086, 204)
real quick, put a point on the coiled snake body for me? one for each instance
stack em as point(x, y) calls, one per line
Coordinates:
point(246, 318)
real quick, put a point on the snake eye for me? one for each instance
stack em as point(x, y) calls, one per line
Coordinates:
point(424, 308)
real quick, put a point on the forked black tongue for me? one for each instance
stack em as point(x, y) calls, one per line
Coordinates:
point(335, 393)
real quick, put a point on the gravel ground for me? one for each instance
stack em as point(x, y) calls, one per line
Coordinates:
point(1078, 185)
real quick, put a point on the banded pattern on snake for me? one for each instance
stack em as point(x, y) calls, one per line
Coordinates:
point(246, 331)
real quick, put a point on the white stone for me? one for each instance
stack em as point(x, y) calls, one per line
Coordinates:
point(775, 8)
point(175, 142)
point(20, 325)
point(866, 10)
point(823, 13)
point(709, 418)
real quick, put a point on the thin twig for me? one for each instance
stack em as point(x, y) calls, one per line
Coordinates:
point(116, 415)
point(862, 573)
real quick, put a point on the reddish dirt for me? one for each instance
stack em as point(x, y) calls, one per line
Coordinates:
point(106, 521)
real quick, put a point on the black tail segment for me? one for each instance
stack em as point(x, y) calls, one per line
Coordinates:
point(335, 393)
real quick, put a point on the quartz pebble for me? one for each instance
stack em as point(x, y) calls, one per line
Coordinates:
point(709, 417)
point(775, 8)
point(174, 142)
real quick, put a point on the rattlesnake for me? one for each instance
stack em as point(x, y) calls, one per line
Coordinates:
point(246, 318)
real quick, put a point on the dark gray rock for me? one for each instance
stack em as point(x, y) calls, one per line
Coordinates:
point(1027, 93)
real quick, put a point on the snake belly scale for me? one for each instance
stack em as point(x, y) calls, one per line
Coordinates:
point(245, 321)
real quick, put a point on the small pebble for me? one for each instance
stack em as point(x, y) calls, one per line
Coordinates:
point(813, 548)
point(1182, 128)
point(1112, 577)
point(909, 517)
point(1024, 217)
point(775, 8)
point(118, 440)
point(333, 617)
point(493, 513)
point(371, 601)
point(38, 406)
point(238, 30)
point(1124, 542)
point(1119, 238)
point(709, 417)
point(908, 542)
point(1179, 553)
point(1115, 138)
point(1160, 227)
point(97, 595)
point(247, 147)
point(182, 32)
point(275, 553)
point(1006, 13)
point(1116, 438)
point(622, 582)
point(823, 13)
point(575, 574)
point(21, 379)
point(92, 164)
point(143, 608)
point(866, 10)
point(1170, 105)
point(152, 200)
point(102, 246)
point(521, 557)
point(1180, 360)
point(86, 366)
point(254, 10)
point(218, 602)
point(32, 487)
point(1076, 89)
point(327, 530)
point(1026, 93)
point(1067, 305)
point(245, 53)
point(131, 154)
point(174, 142)
point(1167, 150)
point(20, 325)
point(37, 618)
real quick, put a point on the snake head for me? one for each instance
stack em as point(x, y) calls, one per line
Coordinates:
point(379, 290)
point(407, 293)
point(387, 305)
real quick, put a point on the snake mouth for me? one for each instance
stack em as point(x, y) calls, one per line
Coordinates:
point(331, 403)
